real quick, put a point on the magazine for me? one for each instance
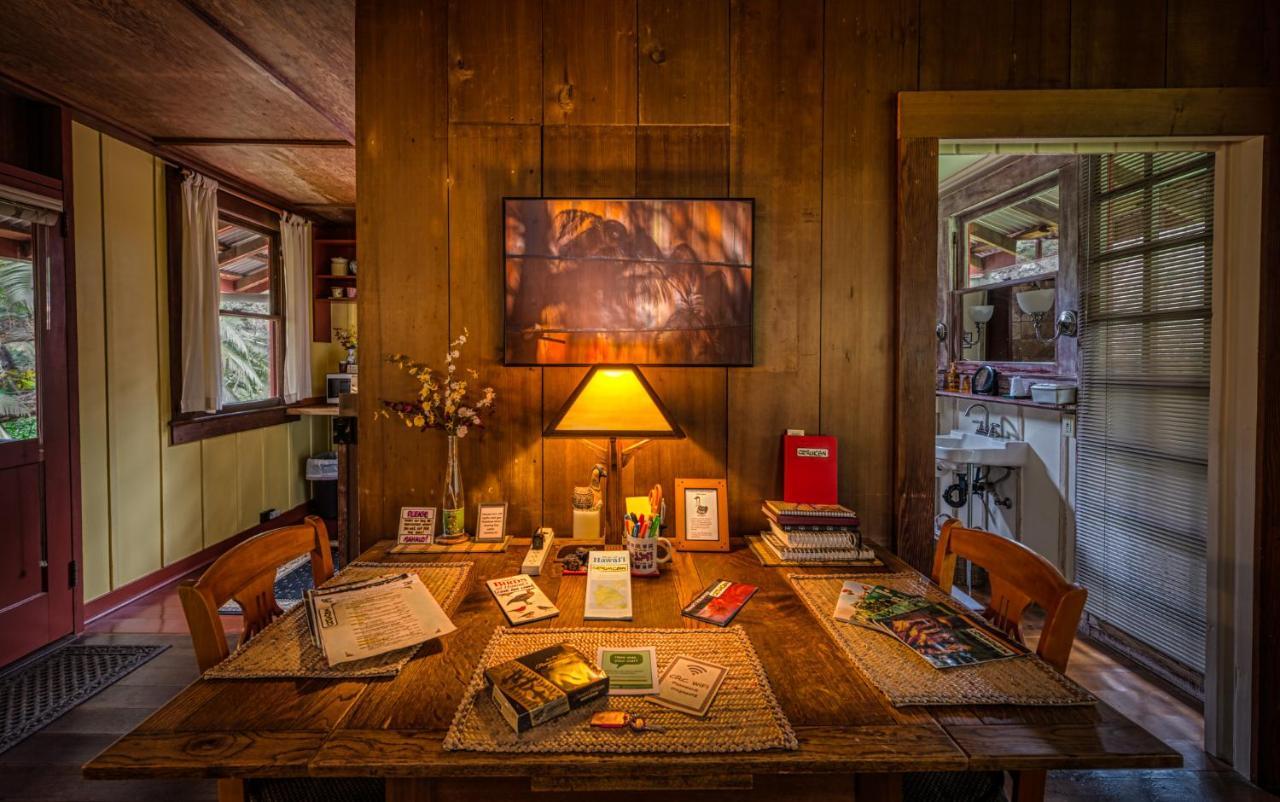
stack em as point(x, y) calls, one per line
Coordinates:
point(947, 639)
point(719, 603)
point(608, 586)
point(521, 600)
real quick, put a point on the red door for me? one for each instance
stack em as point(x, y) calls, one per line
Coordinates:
point(37, 573)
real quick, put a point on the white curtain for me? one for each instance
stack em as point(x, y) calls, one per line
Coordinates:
point(201, 342)
point(295, 250)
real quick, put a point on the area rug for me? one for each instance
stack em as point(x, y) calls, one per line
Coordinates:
point(35, 694)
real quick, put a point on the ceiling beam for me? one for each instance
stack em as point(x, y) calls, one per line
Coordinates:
point(268, 70)
point(1045, 211)
point(251, 282)
point(993, 238)
point(236, 253)
point(197, 142)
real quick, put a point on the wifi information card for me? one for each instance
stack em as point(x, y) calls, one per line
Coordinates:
point(689, 685)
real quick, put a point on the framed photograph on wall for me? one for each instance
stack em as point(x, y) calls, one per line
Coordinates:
point(702, 515)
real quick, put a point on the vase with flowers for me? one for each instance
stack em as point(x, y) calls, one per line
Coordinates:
point(348, 339)
point(448, 402)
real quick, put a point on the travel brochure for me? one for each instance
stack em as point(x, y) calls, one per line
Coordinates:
point(521, 600)
point(720, 602)
point(608, 586)
point(941, 636)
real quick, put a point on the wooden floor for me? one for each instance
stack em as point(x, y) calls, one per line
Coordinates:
point(46, 767)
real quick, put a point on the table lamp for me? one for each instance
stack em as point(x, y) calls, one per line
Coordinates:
point(612, 402)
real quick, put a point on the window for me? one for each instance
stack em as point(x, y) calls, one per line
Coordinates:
point(18, 407)
point(251, 310)
point(1142, 493)
point(248, 314)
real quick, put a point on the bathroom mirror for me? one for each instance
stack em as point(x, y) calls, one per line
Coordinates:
point(996, 327)
point(1007, 224)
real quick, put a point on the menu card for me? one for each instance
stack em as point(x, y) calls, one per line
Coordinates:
point(366, 619)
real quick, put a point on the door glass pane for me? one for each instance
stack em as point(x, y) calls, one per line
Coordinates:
point(17, 331)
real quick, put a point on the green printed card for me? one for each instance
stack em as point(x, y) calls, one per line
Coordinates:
point(632, 672)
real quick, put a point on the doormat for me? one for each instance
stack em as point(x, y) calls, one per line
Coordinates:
point(293, 580)
point(35, 694)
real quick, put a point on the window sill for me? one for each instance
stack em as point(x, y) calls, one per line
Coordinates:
point(191, 430)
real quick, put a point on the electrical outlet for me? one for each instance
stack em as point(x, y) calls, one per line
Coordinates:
point(1069, 426)
point(267, 515)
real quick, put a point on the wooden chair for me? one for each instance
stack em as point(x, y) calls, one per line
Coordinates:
point(1018, 577)
point(247, 573)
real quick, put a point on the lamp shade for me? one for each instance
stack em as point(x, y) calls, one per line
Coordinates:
point(613, 401)
point(982, 313)
point(1036, 302)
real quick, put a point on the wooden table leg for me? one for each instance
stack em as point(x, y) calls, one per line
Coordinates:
point(880, 787)
point(230, 790)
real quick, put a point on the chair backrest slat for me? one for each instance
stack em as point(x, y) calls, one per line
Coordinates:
point(247, 573)
point(1019, 577)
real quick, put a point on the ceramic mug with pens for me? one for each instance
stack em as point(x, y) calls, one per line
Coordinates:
point(647, 553)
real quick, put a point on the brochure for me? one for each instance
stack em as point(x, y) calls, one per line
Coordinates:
point(720, 602)
point(632, 672)
point(521, 600)
point(608, 586)
point(689, 685)
point(947, 639)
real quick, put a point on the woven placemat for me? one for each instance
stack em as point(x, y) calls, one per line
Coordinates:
point(744, 717)
point(906, 679)
point(284, 649)
point(465, 547)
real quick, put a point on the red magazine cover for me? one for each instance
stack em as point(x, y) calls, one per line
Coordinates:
point(720, 602)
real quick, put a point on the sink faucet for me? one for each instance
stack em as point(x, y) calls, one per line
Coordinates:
point(985, 426)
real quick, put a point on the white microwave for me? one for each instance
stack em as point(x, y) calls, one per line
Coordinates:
point(335, 384)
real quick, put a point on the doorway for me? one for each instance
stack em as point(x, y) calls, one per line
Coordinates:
point(38, 575)
point(1237, 712)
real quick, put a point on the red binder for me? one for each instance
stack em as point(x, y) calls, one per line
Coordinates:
point(810, 470)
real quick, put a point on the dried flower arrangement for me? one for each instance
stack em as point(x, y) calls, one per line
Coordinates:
point(444, 401)
point(347, 338)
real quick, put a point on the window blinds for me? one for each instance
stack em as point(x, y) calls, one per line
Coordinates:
point(1142, 496)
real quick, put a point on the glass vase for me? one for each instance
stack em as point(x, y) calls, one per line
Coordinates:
point(452, 504)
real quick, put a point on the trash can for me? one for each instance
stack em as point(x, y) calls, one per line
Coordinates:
point(322, 472)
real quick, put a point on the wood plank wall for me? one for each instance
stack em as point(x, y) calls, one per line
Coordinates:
point(791, 102)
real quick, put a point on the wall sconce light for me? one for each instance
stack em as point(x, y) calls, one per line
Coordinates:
point(1037, 303)
point(981, 316)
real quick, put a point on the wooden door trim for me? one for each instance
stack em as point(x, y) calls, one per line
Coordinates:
point(926, 117)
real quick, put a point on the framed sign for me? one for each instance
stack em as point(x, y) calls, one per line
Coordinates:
point(702, 515)
point(417, 526)
point(491, 522)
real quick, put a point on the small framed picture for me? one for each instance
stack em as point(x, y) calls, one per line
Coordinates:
point(491, 522)
point(702, 515)
point(417, 526)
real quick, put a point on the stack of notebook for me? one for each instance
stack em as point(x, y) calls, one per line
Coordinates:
point(813, 532)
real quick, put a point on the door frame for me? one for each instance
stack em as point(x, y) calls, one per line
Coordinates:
point(61, 502)
point(1073, 114)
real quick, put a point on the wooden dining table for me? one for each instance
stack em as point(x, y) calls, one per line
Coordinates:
point(852, 742)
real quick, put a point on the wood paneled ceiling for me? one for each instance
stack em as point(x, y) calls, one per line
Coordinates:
point(258, 91)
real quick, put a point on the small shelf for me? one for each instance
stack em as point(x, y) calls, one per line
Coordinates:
point(336, 300)
point(331, 277)
point(1001, 399)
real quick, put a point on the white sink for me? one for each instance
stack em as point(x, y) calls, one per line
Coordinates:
point(961, 447)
